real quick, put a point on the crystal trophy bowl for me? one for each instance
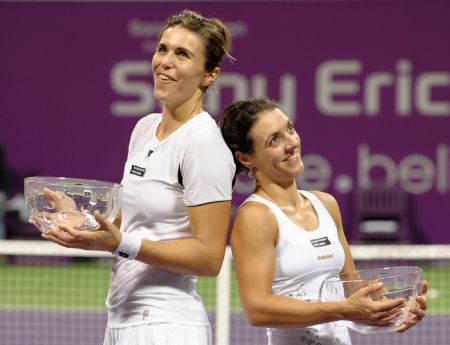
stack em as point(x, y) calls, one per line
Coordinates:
point(53, 201)
point(398, 282)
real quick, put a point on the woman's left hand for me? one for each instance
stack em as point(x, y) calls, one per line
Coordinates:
point(418, 311)
point(106, 238)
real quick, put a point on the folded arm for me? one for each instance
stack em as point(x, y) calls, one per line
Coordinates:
point(202, 254)
point(254, 237)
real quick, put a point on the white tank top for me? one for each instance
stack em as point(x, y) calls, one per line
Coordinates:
point(304, 259)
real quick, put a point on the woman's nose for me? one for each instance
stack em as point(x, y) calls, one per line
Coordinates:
point(292, 140)
point(167, 60)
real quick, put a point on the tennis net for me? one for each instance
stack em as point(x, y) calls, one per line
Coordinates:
point(53, 295)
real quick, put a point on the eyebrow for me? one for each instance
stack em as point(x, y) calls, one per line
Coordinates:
point(177, 48)
point(266, 143)
point(186, 50)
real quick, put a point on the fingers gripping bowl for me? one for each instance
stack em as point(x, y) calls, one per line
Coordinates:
point(52, 201)
point(398, 282)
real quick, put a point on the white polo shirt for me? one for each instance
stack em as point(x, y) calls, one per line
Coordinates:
point(154, 207)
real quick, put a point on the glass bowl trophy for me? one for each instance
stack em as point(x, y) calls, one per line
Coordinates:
point(398, 282)
point(52, 201)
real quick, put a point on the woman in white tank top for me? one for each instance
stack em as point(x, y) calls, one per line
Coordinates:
point(286, 242)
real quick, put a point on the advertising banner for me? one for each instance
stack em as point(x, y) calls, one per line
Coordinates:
point(367, 84)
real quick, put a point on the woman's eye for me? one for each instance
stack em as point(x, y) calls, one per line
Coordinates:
point(183, 54)
point(290, 127)
point(274, 140)
point(161, 49)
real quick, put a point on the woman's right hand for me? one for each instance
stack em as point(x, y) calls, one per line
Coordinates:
point(60, 202)
point(105, 238)
point(363, 309)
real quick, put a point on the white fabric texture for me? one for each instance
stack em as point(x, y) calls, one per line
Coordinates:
point(159, 334)
point(154, 207)
point(304, 259)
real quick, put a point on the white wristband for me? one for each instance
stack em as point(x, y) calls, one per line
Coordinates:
point(128, 247)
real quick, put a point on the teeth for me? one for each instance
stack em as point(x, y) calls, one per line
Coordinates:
point(294, 156)
point(163, 77)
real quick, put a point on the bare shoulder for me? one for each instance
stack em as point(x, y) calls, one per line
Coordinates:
point(326, 198)
point(255, 213)
point(255, 219)
point(330, 203)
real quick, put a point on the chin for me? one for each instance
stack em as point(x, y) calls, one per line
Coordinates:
point(159, 95)
point(300, 168)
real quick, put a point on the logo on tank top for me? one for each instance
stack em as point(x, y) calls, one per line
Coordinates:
point(325, 257)
point(320, 242)
point(138, 171)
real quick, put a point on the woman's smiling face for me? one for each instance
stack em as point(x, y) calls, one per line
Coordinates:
point(276, 145)
point(178, 66)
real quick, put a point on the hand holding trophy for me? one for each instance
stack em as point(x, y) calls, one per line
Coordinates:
point(55, 201)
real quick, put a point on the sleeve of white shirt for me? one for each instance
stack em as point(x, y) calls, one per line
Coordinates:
point(140, 133)
point(207, 168)
point(134, 135)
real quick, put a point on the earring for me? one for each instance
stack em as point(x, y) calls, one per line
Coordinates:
point(250, 174)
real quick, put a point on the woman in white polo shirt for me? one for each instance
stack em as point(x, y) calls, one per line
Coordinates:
point(176, 201)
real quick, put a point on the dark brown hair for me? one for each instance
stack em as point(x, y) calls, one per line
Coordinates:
point(236, 122)
point(215, 34)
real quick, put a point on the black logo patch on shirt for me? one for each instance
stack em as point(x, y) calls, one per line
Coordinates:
point(320, 242)
point(138, 171)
